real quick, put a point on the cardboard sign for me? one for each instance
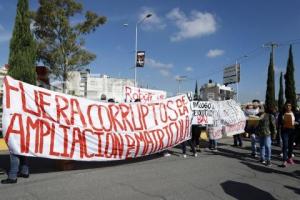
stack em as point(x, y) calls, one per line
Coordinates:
point(143, 94)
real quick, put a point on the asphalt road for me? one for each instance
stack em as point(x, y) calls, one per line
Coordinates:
point(227, 174)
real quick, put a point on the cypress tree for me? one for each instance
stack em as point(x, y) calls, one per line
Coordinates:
point(22, 54)
point(290, 90)
point(270, 93)
point(280, 94)
point(196, 95)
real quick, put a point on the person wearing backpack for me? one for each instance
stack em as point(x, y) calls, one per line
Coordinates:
point(266, 130)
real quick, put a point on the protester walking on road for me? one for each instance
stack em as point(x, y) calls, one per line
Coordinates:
point(266, 130)
point(287, 123)
point(252, 113)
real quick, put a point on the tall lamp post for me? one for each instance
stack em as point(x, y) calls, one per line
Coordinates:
point(180, 79)
point(136, 43)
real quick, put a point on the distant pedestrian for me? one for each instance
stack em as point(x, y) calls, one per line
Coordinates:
point(287, 121)
point(252, 113)
point(266, 130)
point(103, 98)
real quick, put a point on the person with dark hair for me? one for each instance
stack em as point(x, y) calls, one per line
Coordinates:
point(103, 97)
point(111, 100)
point(266, 130)
point(287, 123)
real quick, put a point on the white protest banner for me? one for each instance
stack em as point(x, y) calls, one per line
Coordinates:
point(228, 119)
point(43, 123)
point(233, 118)
point(202, 112)
point(143, 94)
point(215, 130)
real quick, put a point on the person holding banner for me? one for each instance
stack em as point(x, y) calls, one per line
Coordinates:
point(252, 113)
point(14, 172)
point(192, 142)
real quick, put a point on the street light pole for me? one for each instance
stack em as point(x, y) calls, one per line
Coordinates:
point(136, 43)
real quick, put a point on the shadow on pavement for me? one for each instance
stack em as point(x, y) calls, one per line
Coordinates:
point(296, 190)
point(44, 165)
point(252, 163)
point(245, 191)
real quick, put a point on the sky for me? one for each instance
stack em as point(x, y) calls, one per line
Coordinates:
point(194, 39)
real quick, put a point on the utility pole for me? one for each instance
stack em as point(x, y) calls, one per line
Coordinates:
point(271, 45)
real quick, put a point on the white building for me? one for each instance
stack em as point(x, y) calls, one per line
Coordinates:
point(215, 91)
point(92, 86)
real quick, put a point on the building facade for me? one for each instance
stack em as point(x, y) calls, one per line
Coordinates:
point(92, 86)
point(215, 91)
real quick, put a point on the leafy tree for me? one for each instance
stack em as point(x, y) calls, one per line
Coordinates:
point(270, 93)
point(22, 52)
point(196, 95)
point(280, 94)
point(60, 40)
point(290, 90)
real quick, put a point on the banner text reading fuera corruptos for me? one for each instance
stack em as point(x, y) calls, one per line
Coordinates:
point(43, 123)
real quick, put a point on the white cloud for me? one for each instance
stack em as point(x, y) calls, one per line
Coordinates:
point(212, 53)
point(152, 23)
point(189, 69)
point(163, 68)
point(197, 25)
point(165, 73)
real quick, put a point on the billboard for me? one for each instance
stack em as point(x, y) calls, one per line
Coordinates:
point(140, 58)
point(231, 74)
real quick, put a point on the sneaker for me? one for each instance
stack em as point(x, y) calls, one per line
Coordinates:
point(268, 163)
point(195, 155)
point(23, 175)
point(262, 162)
point(9, 181)
point(290, 161)
point(167, 154)
point(254, 155)
point(184, 156)
point(284, 164)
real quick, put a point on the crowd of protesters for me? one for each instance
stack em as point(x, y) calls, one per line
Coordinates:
point(264, 126)
point(268, 125)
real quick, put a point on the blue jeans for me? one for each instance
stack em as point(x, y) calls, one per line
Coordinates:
point(253, 144)
point(287, 136)
point(265, 147)
point(213, 144)
point(17, 161)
